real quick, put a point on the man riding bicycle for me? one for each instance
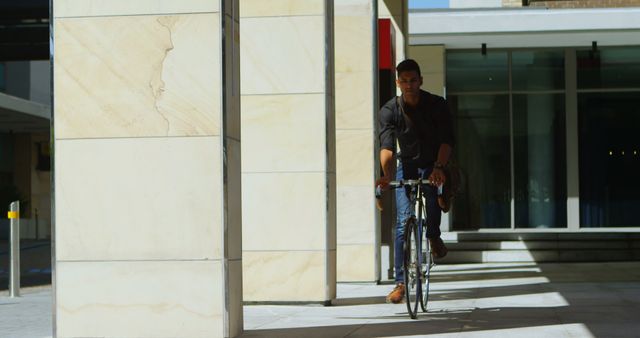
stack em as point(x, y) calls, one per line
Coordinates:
point(421, 124)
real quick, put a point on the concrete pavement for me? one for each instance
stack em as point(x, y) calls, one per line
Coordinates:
point(478, 300)
point(28, 315)
point(475, 300)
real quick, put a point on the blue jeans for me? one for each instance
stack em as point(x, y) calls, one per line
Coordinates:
point(405, 209)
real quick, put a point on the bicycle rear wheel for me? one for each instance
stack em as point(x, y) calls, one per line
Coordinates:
point(412, 267)
point(426, 262)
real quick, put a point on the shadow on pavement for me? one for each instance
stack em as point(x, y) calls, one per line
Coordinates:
point(553, 300)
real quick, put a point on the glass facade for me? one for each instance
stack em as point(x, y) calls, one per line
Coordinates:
point(609, 159)
point(482, 149)
point(608, 68)
point(509, 108)
point(539, 160)
point(472, 72)
point(2, 78)
point(537, 70)
point(608, 99)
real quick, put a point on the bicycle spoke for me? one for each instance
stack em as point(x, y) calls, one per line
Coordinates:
point(427, 264)
point(412, 275)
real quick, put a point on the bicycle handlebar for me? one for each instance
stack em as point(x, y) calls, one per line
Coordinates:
point(402, 183)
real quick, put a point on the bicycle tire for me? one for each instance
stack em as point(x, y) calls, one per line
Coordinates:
point(411, 267)
point(426, 263)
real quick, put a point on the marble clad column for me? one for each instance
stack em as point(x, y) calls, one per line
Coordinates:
point(288, 151)
point(358, 227)
point(147, 169)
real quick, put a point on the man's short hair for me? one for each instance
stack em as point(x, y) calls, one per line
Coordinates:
point(408, 65)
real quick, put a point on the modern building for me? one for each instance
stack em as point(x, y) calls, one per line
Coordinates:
point(210, 153)
point(544, 100)
point(25, 113)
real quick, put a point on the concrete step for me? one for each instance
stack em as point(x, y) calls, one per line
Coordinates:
point(502, 256)
point(540, 236)
point(540, 245)
point(498, 247)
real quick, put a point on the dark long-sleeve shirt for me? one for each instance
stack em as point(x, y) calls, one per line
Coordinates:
point(420, 138)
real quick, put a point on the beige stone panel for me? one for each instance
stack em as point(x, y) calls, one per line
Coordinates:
point(139, 299)
point(135, 199)
point(354, 7)
point(262, 8)
point(283, 133)
point(355, 157)
point(433, 83)
point(285, 276)
point(354, 100)
point(356, 215)
point(137, 76)
point(282, 55)
point(284, 211)
point(353, 44)
point(356, 263)
point(430, 58)
point(82, 8)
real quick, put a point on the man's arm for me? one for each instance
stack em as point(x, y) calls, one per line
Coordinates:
point(387, 144)
point(445, 137)
point(443, 154)
point(437, 175)
point(386, 160)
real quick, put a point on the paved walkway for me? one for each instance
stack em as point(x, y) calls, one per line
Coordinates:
point(476, 300)
point(28, 316)
point(479, 300)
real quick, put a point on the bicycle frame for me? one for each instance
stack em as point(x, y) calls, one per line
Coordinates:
point(417, 258)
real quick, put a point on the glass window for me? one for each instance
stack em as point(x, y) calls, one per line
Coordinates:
point(474, 72)
point(539, 160)
point(609, 159)
point(609, 68)
point(482, 151)
point(537, 70)
point(7, 188)
point(2, 78)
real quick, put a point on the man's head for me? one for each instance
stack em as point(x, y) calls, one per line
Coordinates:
point(408, 65)
point(409, 78)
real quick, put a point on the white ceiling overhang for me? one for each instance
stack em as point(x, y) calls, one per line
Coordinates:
point(22, 116)
point(525, 28)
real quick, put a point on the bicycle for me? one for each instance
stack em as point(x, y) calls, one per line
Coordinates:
point(417, 254)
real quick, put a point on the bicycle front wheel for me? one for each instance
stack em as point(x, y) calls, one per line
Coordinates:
point(411, 267)
point(426, 264)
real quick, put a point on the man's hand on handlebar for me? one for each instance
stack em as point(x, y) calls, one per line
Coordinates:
point(437, 177)
point(383, 184)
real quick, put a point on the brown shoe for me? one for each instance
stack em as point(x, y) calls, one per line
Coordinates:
point(397, 295)
point(438, 250)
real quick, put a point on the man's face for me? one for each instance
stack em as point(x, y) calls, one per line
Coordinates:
point(409, 83)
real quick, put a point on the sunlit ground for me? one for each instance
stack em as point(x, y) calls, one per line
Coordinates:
point(476, 300)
